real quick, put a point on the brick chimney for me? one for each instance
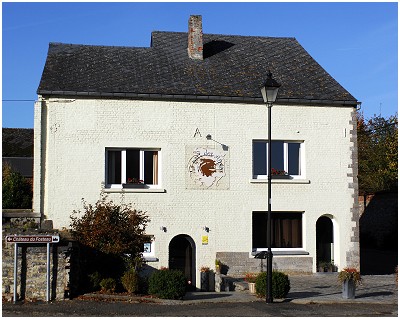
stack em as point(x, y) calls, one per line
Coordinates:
point(195, 38)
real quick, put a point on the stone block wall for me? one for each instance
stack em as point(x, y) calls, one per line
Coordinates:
point(32, 270)
point(237, 264)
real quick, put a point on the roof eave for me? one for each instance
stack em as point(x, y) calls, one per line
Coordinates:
point(191, 97)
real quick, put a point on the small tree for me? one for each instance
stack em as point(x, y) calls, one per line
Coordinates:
point(111, 229)
point(377, 153)
point(17, 191)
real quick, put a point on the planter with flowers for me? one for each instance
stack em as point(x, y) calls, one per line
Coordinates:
point(134, 183)
point(349, 278)
point(218, 265)
point(279, 174)
point(204, 278)
point(250, 278)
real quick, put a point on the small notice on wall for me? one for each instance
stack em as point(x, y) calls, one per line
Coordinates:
point(204, 240)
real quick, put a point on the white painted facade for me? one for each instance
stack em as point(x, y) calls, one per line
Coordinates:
point(73, 134)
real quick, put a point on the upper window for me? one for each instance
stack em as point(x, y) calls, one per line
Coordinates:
point(286, 158)
point(131, 166)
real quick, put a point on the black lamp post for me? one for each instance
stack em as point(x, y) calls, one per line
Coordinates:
point(269, 91)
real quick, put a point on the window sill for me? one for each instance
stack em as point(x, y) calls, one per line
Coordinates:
point(134, 190)
point(281, 181)
point(150, 259)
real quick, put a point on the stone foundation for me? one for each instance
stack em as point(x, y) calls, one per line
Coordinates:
point(237, 264)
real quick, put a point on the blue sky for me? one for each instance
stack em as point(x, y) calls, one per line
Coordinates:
point(355, 42)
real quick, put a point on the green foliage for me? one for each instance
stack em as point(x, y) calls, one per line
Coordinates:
point(17, 190)
point(95, 279)
point(377, 140)
point(130, 281)
point(111, 229)
point(280, 284)
point(108, 284)
point(167, 284)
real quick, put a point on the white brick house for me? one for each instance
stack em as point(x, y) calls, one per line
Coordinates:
point(194, 129)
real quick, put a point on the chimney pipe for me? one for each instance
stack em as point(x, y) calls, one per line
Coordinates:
point(195, 38)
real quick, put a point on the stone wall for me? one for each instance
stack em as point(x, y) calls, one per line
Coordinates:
point(237, 264)
point(32, 270)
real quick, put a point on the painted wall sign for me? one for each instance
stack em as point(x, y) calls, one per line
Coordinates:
point(207, 168)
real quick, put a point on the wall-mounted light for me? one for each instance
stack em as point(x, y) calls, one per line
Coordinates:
point(163, 228)
point(206, 229)
point(224, 147)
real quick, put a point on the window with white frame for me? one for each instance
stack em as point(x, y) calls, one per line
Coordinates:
point(131, 165)
point(286, 230)
point(286, 158)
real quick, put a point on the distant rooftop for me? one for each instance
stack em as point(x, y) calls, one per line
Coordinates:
point(17, 142)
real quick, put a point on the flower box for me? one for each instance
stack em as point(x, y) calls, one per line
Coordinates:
point(280, 176)
point(128, 185)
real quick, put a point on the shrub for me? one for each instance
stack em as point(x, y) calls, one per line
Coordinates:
point(17, 191)
point(130, 281)
point(167, 284)
point(280, 284)
point(95, 279)
point(108, 284)
point(111, 228)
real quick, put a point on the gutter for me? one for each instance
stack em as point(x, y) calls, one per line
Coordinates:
point(192, 97)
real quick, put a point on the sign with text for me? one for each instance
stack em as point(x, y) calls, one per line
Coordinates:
point(33, 239)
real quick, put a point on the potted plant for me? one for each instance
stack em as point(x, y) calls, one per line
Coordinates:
point(204, 278)
point(250, 278)
point(327, 266)
point(218, 266)
point(276, 173)
point(349, 278)
point(133, 182)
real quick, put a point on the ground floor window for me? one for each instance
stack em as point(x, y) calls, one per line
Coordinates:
point(137, 166)
point(286, 230)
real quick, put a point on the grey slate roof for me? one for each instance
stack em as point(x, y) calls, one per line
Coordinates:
point(17, 142)
point(234, 68)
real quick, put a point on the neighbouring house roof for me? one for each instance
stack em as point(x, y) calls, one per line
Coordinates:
point(17, 142)
point(18, 150)
point(233, 68)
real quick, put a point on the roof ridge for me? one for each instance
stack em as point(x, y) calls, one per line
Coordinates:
point(227, 35)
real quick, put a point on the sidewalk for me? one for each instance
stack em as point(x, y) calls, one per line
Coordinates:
point(307, 289)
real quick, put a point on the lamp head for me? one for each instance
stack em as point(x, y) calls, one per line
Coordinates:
point(270, 88)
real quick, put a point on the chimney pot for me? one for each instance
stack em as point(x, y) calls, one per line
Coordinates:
point(195, 38)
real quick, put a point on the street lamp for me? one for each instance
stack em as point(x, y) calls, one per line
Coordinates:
point(269, 91)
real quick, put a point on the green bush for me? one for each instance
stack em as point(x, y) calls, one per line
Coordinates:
point(167, 284)
point(95, 279)
point(108, 284)
point(130, 281)
point(280, 284)
point(17, 191)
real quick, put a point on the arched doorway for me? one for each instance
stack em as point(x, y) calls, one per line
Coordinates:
point(182, 256)
point(324, 238)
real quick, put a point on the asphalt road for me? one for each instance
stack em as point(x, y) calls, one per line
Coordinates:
point(84, 308)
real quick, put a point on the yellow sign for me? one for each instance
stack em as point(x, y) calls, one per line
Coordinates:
point(204, 240)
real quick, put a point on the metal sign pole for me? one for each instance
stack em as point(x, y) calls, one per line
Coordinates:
point(15, 271)
point(48, 274)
